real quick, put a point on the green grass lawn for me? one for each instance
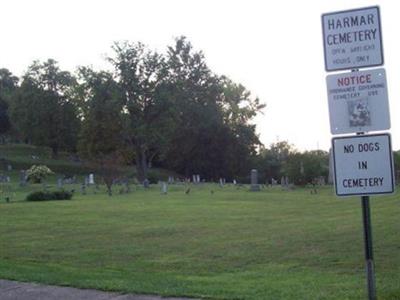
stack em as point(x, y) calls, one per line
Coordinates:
point(232, 244)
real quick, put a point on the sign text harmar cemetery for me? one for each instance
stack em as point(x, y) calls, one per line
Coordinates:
point(352, 39)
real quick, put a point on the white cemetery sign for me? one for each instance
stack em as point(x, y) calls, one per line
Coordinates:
point(352, 39)
point(363, 165)
point(358, 101)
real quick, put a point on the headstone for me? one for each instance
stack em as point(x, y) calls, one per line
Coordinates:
point(234, 182)
point(286, 181)
point(194, 178)
point(127, 187)
point(255, 187)
point(91, 178)
point(164, 188)
point(22, 178)
point(146, 183)
point(221, 182)
point(59, 183)
point(86, 180)
point(83, 189)
point(283, 181)
point(170, 179)
point(198, 178)
point(9, 167)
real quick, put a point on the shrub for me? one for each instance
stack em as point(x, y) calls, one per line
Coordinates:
point(46, 195)
point(37, 173)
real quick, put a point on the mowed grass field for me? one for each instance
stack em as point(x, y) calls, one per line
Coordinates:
point(229, 244)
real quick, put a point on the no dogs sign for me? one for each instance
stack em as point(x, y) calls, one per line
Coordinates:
point(363, 165)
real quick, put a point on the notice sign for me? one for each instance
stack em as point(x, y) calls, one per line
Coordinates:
point(358, 101)
point(352, 39)
point(363, 165)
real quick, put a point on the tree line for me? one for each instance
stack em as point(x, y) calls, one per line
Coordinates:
point(168, 110)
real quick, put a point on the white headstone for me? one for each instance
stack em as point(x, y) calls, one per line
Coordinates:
point(254, 181)
point(91, 178)
point(164, 188)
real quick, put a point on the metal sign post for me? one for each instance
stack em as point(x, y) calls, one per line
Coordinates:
point(369, 254)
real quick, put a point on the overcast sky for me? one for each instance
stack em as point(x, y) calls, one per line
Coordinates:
point(274, 48)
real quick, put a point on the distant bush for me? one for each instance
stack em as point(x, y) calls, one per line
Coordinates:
point(37, 173)
point(47, 195)
point(153, 178)
point(155, 175)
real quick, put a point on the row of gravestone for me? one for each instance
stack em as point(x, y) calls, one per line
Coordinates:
point(89, 180)
point(4, 178)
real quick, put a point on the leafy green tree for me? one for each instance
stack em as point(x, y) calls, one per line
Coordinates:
point(141, 75)
point(196, 97)
point(273, 160)
point(102, 105)
point(303, 168)
point(43, 109)
point(239, 108)
point(101, 140)
point(396, 157)
point(212, 135)
point(4, 119)
point(8, 86)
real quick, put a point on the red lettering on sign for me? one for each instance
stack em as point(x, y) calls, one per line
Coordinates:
point(351, 80)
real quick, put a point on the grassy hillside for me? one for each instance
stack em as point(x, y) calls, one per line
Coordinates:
point(217, 243)
point(22, 157)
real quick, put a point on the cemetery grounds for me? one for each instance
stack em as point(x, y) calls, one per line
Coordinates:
point(211, 242)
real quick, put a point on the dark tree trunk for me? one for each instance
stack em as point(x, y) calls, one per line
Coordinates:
point(54, 151)
point(141, 165)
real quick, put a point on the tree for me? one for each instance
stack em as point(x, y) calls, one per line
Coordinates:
point(239, 108)
point(141, 73)
point(274, 159)
point(8, 86)
point(396, 158)
point(305, 167)
point(5, 124)
point(101, 141)
point(43, 109)
point(196, 96)
point(102, 105)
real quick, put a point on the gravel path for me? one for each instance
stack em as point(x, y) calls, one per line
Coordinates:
point(13, 290)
